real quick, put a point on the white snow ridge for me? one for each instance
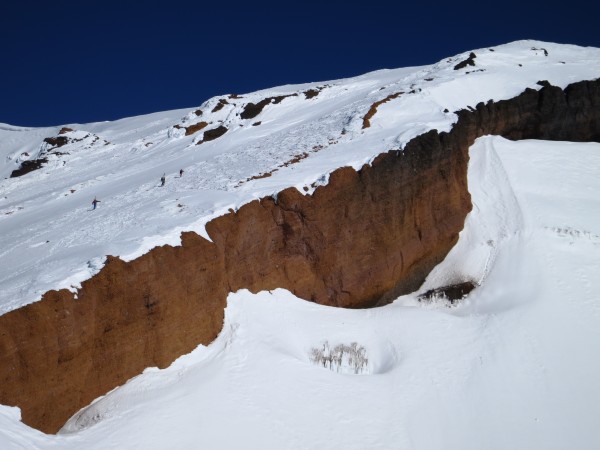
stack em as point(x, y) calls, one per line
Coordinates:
point(512, 366)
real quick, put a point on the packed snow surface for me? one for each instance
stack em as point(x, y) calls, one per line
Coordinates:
point(512, 366)
point(50, 238)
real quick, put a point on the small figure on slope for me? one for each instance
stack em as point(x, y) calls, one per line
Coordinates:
point(162, 180)
point(180, 173)
point(95, 203)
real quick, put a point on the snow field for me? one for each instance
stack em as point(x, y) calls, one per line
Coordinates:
point(511, 367)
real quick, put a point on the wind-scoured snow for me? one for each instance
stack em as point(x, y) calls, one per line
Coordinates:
point(512, 366)
point(50, 238)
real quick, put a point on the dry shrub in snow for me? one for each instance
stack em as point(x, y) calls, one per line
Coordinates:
point(341, 358)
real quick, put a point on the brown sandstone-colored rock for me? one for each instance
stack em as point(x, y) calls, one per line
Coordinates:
point(28, 166)
point(219, 106)
point(195, 128)
point(57, 141)
point(214, 133)
point(373, 109)
point(310, 93)
point(251, 110)
point(359, 241)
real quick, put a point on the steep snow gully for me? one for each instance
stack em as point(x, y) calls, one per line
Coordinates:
point(362, 240)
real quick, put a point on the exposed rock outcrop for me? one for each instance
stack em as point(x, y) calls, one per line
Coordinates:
point(311, 93)
point(251, 110)
point(213, 133)
point(193, 128)
point(28, 166)
point(220, 105)
point(49, 149)
point(360, 241)
point(470, 61)
point(452, 293)
point(373, 109)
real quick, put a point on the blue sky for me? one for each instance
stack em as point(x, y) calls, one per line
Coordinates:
point(85, 61)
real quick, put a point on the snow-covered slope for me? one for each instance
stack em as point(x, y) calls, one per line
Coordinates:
point(50, 238)
point(511, 367)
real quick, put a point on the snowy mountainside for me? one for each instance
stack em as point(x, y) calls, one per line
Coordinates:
point(510, 367)
point(251, 145)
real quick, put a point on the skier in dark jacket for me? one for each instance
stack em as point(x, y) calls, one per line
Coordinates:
point(180, 173)
point(162, 180)
point(94, 203)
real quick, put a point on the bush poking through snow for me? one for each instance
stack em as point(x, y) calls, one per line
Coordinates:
point(341, 358)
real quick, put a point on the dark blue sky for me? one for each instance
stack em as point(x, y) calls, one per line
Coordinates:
point(84, 61)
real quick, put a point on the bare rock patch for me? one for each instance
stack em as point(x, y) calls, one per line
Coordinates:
point(373, 109)
point(470, 61)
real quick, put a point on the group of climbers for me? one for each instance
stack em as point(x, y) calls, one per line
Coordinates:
point(163, 180)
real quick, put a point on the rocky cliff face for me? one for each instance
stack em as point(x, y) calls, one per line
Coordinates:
point(365, 238)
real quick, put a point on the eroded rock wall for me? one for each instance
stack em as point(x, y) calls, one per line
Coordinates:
point(365, 238)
